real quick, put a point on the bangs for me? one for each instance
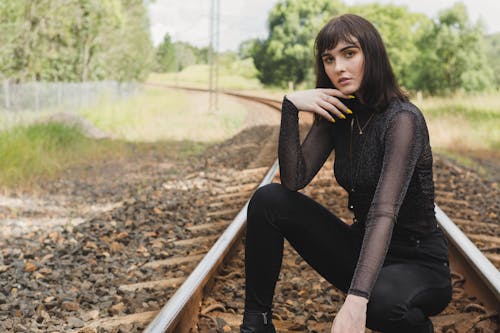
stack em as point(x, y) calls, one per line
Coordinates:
point(332, 34)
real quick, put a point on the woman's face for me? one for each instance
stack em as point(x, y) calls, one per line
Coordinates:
point(344, 66)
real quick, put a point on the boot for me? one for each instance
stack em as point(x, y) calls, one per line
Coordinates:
point(257, 322)
point(430, 329)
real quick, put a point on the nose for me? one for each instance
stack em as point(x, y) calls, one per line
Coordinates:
point(339, 66)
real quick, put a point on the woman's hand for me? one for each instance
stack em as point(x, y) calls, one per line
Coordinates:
point(351, 317)
point(320, 101)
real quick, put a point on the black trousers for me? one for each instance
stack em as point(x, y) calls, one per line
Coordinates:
point(414, 282)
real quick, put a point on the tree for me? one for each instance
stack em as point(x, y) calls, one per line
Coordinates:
point(452, 55)
point(400, 30)
point(287, 54)
point(493, 54)
point(74, 40)
point(165, 56)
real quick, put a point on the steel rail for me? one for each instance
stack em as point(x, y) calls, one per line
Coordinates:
point(465, 258)
point(470, 262)
point(265, 100)
point(170, 317)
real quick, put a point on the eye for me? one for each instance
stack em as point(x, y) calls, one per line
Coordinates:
point(349, 53)
point(328, 59)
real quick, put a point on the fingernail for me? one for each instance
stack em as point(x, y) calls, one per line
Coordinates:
point(349, 111)
point(352, 96)
point(332, 120)
point(342, 116)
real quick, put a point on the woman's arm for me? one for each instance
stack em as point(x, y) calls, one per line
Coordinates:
point(300, 163)
point(404, 142)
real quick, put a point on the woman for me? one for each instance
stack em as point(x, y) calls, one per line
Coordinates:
point(392, 262)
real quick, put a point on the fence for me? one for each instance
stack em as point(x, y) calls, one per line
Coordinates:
point(61, 96)
point(24, 103)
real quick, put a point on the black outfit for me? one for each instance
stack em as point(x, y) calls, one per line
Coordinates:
point(394, 254)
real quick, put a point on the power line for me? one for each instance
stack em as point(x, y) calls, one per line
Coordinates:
point(213, 56)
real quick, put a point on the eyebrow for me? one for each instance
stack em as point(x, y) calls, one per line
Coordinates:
point(341, 50)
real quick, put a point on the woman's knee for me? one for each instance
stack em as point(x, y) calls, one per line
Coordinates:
point(388, 313)
point(269, 195)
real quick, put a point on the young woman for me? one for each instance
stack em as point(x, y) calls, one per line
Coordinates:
point(392, 261)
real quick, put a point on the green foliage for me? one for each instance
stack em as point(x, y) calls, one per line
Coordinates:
point(440, 56)
point(286, 55)
point(476, 115)
point(400, 29)
point(452, 55)
point(492, 43)
point(175, 56)
point(74, 40)
point(165, 56)
point(40, 150)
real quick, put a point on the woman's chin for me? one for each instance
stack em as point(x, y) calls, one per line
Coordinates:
point(348, 91)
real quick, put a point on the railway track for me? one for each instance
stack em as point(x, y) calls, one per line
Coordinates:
point(474, 305)
point(301, 304)
point(304, 301)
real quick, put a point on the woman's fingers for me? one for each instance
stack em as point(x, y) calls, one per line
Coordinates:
point(324, 114)
point(337, 103)
point(324, 102)
point(331, 108)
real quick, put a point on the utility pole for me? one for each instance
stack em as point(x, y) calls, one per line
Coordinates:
point(213, 56)
point(217, 38)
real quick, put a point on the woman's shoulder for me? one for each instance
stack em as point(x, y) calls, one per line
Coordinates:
point(402, 107)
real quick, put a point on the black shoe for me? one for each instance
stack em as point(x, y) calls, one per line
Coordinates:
point(257, 322)
point(431, 327)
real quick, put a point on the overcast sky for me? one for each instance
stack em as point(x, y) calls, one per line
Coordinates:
point(188, 20)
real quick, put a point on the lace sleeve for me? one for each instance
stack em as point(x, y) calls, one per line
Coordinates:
point(404, 141)
point(300, 163)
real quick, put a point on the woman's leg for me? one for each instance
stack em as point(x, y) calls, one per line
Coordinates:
point(404, 297)
point(330, 246)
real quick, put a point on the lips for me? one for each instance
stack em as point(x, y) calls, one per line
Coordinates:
point(344, 81)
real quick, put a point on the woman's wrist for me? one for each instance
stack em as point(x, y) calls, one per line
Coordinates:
point(356, 299)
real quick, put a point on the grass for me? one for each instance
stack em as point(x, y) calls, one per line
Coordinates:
point(11, 119)
point(178, 123)
point(198, 76)
point(43, 151)
point(162, 114)
point(29, 153)
point(464, 122)
point(182, 123)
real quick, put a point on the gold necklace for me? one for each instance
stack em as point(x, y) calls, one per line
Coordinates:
point(361, 129)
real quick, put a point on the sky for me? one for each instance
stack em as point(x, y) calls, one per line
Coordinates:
point(188, 20)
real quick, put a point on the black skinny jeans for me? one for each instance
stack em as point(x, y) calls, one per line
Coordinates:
point(414, 282)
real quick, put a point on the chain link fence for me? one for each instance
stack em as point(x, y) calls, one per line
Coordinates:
point(22, 102)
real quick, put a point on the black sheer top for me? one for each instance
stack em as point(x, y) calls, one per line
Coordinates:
point(387, 172)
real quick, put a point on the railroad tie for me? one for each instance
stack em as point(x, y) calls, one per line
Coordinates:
point(158, 284)
point(173, 261)
point(112, 322)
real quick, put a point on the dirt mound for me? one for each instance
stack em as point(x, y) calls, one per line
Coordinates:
point(75, 120)
point(242, 150)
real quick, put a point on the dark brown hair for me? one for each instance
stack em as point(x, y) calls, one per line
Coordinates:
point(379, 85)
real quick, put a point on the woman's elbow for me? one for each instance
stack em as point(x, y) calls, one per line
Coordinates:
point(291, 185)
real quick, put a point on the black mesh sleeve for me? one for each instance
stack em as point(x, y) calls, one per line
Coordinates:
point(404, 142)
point(300, 163)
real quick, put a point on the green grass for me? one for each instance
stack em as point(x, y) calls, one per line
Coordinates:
point(176, 123)
point(460, 158)
point(35, 152)
point(198, 76)
point(159, 114)
point(463, 122)
point(29, 153)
